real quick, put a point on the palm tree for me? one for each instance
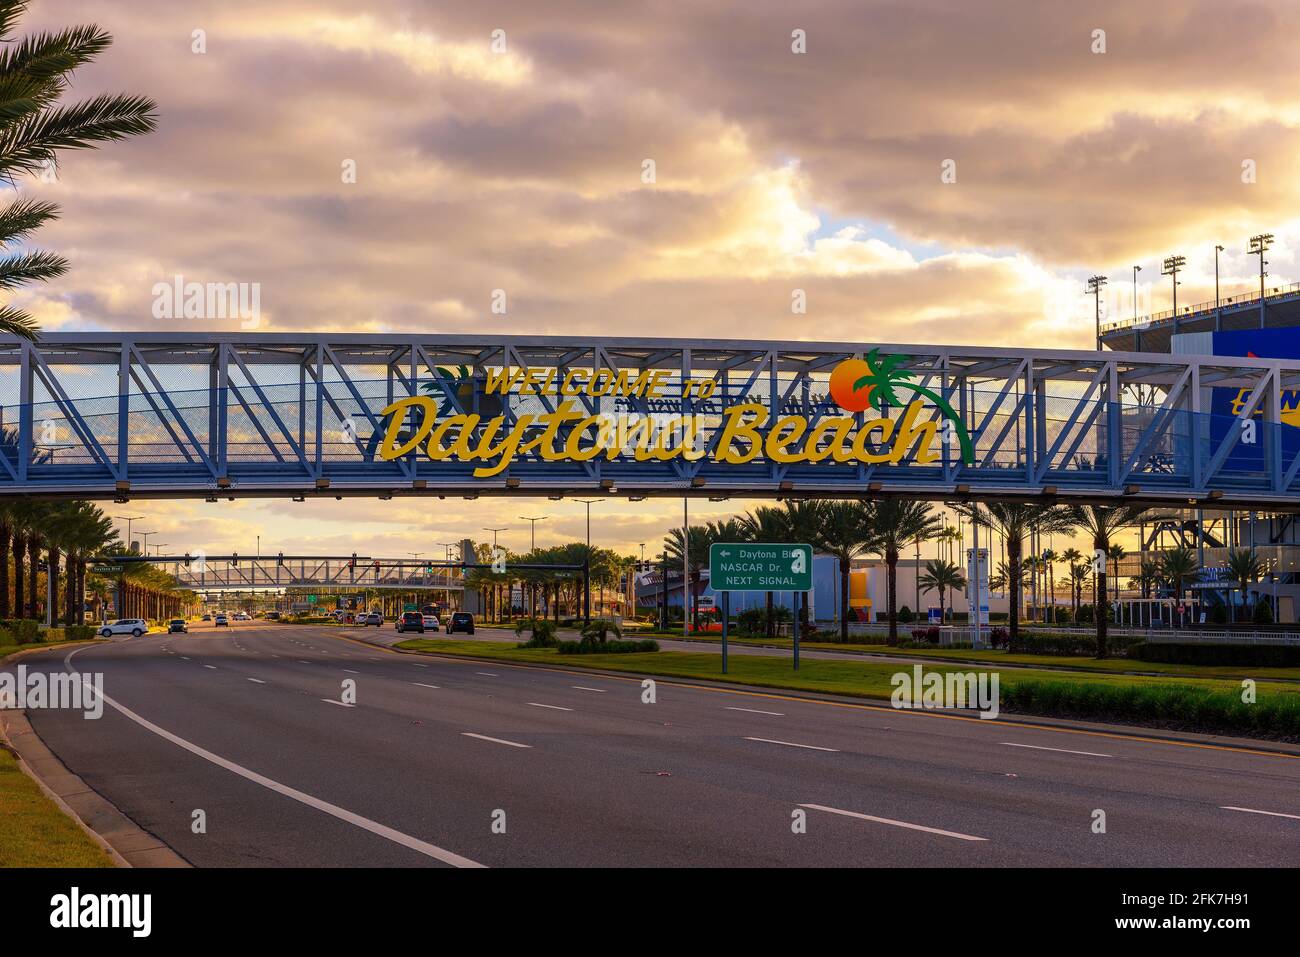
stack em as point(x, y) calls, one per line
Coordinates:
point(896, 524)
point(690, 551)
point(766, 525)
point(1100, 522)
point(941, 575)
point(847, 532)
point(1180, 568)
point(883, 377)
point(803, 524)
point(34, 127)
point(6, 536)
point(1013, 521)
point(1071, 557)
point(1244, 569)
point(1080, 572)
point(1048, 559)
point(1145, 581)
point(1114, 555)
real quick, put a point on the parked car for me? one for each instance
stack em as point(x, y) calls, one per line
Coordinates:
point(124, 626)
point(410, 621)
point(222, 622)
point(177, 626)
point(272, 616)
point(430, 622)
point(374, 618)
point(461, 621)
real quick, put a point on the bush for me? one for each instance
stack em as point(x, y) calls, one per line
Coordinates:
point(542, 631)
point(79, 632)
point(999, 638)
point(599, 629)
point(1263, 612)
point(930, 635)
point(906, 615)
point(24, 630)
point(1067, 645)
point(591, 646)
point(751, 621)
point(1218, 614)
point(1205, 653)
point(1168, 705)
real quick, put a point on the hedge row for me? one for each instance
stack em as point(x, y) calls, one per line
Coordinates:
point(615, 647)
point(1204, 653)
point(1177, 706)
point(1067, 645)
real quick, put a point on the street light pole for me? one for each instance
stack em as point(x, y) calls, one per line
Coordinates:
point(532, 547)
point(1258, 246)
point(494, 531)
point(1094, 289)
point(586, 584)
point(1218, 316)
point(128, 519)
point(1170, 268)
point(1137, 333)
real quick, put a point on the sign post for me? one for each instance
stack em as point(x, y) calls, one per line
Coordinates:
point(759, 566)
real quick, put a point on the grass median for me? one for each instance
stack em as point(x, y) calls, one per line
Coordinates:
point(34, 832)
point(1206, 705)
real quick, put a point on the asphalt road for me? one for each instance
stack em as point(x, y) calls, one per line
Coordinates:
point(246, 725)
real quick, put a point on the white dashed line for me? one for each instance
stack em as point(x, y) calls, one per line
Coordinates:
point(341, 704)
point(423, 685)
point(484, 737)
point(257, 681)
point(1251, 810)
point(581, 688)
point(791, 744)
point(775, 714)
point(553, 707)
point(350, 671)
point(487, 674)
point(213, 667)
point(893, 823)
point(1037, 747)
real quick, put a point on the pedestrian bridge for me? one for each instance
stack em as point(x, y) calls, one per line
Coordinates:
point(329, 574)
point(115, 415)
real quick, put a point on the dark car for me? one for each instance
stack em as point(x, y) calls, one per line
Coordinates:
point(411, 621)
point(177, 625)
point(461, 621)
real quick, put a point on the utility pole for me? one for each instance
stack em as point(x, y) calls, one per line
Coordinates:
point(1218, 316)
point(1258, 246)
point(1094, 289)
point(586, 585)
point(128, 519)
point(1170, 268)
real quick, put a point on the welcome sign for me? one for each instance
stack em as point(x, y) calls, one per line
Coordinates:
point(567, 431)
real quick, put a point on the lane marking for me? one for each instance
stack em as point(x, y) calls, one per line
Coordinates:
point(341, 704)
point(667, 681)
point(185, 658)
point(581, 688)
point(487, 674)
point(423, 685)
point(484, 737)
point(893, 823)
point(775, 714)
point(1251, 810)
point(791, 744)
point(350, 671)
point(343, 814)
point(213, 667)
point(257, 680)
point(1039, 747)
point(301, 662)
point(553, 707)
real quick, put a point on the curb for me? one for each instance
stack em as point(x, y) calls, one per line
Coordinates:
point(1138, 732)
point(127, 843)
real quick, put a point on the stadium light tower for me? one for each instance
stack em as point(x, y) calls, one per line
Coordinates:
point(1094, 289)
point(1218, 319)
point(1170, 267)
point(1258, 246)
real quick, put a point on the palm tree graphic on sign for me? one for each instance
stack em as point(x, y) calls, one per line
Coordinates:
point(883, 377)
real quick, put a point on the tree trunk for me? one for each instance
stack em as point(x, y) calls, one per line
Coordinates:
point(891, 592)
point(19, 551)
point(33, 563)
point(6, 536)
point(844, 601)
point(770, 625)
point(1013, 611)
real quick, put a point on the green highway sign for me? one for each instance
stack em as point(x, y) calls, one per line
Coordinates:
point(745, 566)
point(106, 569)
point(311, 599)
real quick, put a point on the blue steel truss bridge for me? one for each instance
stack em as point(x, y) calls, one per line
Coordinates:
point(213, 415)
point(343, 575)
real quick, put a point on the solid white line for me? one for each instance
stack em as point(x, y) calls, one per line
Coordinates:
point(581, 688)
point(775, 714)
point(1039, 747)
point(885, 820)
point(1251, 810)
point(258, 680)
point(553, 707)
point(791, 744)
point(423, 685)
point(487, 674)
point(374, 827)
point(341, 704)
point(484, 737)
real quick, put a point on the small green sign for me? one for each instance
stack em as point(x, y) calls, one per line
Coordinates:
point(744, 566)
point(311, 599)
point(106, 569)
point(410, 607)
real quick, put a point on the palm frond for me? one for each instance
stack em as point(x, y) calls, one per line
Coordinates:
point(10, 11)
point(23, 217)
point(15, 322)
point(29, 144)
point(31, 267)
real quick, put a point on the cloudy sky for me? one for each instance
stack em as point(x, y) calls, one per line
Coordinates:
point(518, 163)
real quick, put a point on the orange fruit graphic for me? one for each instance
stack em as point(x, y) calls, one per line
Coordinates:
point(846, 373)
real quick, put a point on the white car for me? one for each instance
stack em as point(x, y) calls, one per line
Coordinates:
point(430, 622)
point(124, 626)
